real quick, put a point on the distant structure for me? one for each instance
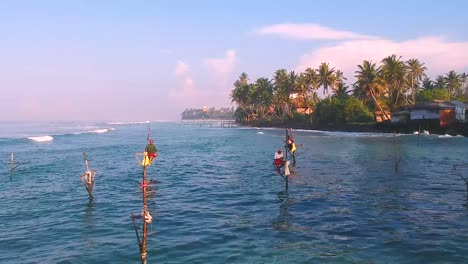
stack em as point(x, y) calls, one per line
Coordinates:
point(205, 108)
point(443, 113)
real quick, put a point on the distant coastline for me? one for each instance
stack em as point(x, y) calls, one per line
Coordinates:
point(371, 127)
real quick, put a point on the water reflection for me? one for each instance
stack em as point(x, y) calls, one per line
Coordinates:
point(283, 221)
point(88, 223)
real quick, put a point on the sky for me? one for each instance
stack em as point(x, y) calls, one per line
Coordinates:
point(150, 60)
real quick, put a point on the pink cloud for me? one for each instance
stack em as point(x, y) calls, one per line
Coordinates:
point(308, 32)
point(187, 89)
point(222, 66)
point(438, 54)
point(182, 68)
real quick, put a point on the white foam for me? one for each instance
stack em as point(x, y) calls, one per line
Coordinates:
point(41, 138)
point(128, 123)
point(260, 133)
point(102, 130)
point(445, 136)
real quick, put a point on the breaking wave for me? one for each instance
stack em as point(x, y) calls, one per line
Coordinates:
point(129, 123)
point(41, 138)
point(100, 131)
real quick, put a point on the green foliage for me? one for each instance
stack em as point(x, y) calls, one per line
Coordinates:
point(427, 95)
point(301, 118)
point(329, 111)
point(212, 113)
point(355, 111)
point(336, 111)
point(383, 86)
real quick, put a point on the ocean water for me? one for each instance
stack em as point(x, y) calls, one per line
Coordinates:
point(219, 199)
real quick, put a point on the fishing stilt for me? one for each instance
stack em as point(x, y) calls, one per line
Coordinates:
point(88, 177)
point(456, 167)
point(13, 165)
point(397, 158)
point(145, 216)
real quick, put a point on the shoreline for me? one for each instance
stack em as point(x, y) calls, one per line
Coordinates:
point(369, 128)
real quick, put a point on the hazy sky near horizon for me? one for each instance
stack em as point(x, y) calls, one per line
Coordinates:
point(149, 60)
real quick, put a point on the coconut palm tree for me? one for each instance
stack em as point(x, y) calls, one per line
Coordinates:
point(453, 82)
point(302, 85)
point(341, 91)
point(369, 84)
point(393, 72)
point(312, 84)
point(264, 89)
point(339, 82)
point(427, 83)
point(327, 78)
point(440, 82)
point(242, 96)
point(464, 83)
point(415, 74)
point(282, 88)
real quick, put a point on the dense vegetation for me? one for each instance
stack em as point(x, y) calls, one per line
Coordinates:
point(386, 87)
point(210, 113)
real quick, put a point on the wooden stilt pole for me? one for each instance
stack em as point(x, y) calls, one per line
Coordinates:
point(464, 179)
point(12, 163)
point(145, 215)
point(88, 177)
point(397, 159)
point(286, 158)
point(419, 132)
point(145, 211)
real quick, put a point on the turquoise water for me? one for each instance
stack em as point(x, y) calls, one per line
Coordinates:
point(220, 201)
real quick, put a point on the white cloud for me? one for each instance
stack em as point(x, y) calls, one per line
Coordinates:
point(438, 54)
point(308, 32)
point(222, 66)
point(182, 68)
point(186, 90)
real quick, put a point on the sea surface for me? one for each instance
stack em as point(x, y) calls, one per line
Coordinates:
point(219, 199)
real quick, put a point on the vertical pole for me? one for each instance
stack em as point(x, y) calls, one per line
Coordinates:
point(396, 151)
point(12, 163)
point(419, 132)
point(286, 147)
point(286, 157)
point(145, 208)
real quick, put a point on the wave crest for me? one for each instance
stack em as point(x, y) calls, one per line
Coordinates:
point(129, 123)
point(41, 138)
point(102, 130)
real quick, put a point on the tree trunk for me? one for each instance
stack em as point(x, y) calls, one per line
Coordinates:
point(378, 105)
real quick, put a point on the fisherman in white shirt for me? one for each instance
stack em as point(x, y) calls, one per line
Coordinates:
point(279, 159)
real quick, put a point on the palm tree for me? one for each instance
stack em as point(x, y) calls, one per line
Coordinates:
point(440, 82)
point(339, 81)
point(415, 73)
point(327, 77)
point(312, 84)
point(264, 90)
point(283, 87)
point(464, 83)
point(341, 91)
point(427, 83)
point(369, 84)
point(393, 72)
point(302, 85)
point(453, 82)
point(242, 95)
